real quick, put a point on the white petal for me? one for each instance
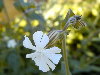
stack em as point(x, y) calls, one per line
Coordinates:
point(37, 60)
point(41, 62)
point(54, 57)
point(27, 44)
point(32, 55)
point(53, 50)
point(50, 64)
point(29, 55)
point(40, 39)
point(45, 40)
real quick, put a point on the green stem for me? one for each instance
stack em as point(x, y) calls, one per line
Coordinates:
point(65, 55)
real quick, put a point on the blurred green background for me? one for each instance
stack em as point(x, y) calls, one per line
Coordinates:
point(24, 17)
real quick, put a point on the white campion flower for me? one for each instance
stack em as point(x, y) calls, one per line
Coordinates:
point(44, 58)
point(11, 43)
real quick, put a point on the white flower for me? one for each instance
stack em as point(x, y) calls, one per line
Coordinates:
point(11, 43)
point(44, 58)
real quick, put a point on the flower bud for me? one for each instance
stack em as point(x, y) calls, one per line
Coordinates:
point(75, 21)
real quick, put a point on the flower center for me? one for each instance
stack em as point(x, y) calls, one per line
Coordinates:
point(40, 50)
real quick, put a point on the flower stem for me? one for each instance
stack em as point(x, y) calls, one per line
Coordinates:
point(65, 55)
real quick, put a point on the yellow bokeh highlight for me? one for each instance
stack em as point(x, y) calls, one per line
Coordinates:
point(35, 23)
point(56, 23)
point(3, 29)
point(78, 46)
point(80, 9)
point(80, 37)
point(70, 38)
point(89, 53)
point(73, 35)
point(25, 1)
point(94, 12)
point(22, 23)
point(52, 12)
point(27, 33)
point(99, 35)
point(69, 41)
point(17, 20)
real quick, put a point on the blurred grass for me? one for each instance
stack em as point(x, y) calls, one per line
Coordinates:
point(18, 18)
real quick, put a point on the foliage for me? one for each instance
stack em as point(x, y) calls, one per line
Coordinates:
point(46, 15)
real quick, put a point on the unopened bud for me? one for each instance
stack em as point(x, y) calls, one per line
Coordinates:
point(75, 21)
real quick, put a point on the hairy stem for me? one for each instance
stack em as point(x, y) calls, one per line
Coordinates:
point(65, 55)
point(66, 26)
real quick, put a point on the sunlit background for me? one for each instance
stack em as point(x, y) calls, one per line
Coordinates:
point(24, 17)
